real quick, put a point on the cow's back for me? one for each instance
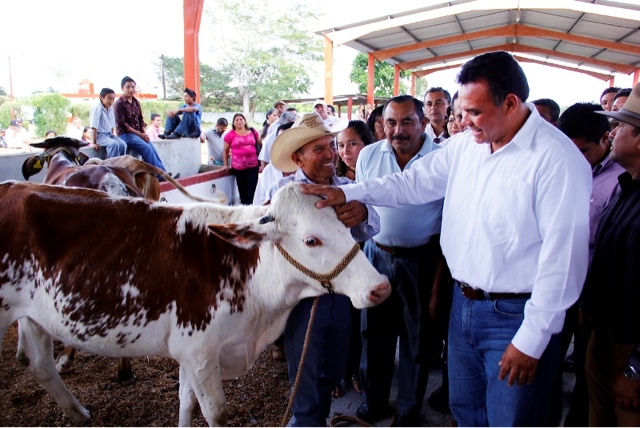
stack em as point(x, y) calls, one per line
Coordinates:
point(111, 261)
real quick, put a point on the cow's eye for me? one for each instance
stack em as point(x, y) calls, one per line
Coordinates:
point(311, 241)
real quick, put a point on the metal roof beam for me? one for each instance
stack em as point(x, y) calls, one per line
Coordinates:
point(512, 30)
point(344, 36)
point(517, 47)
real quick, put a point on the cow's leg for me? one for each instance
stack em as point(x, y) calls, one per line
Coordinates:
point(125, 373)
point(35, 352)
point(187, 400)
point(206, 381)
point(65, 359)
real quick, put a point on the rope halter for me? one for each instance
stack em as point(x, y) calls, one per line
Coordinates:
point(323, 278)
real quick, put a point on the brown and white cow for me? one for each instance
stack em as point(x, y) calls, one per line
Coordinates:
point(122, 175)
point(205, 284)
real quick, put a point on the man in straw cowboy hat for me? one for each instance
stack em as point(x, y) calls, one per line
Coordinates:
point(309, 149)
point(612, 288)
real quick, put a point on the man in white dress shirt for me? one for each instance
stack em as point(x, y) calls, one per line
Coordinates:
point(436, 103)
point(515, 232)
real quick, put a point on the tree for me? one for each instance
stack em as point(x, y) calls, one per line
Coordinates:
point(50, 112)
point(214, 84)
point(264, 50)
point(382, 77)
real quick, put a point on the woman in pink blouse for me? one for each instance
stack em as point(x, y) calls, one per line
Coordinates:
point(243, 143)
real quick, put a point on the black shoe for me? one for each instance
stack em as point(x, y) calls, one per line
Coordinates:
point(174, 136)
point(163, 136)
point(406, 421)
point(372, 416)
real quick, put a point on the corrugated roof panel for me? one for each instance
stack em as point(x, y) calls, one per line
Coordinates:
point(553, 21)
point(578, 49)
point(601, 31)
point(618, 57)
point(484, 20)
point(538, 42)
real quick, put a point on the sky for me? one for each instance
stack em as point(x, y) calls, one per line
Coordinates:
point(58, 43)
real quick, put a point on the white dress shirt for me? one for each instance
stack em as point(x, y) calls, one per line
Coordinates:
point(514, 221)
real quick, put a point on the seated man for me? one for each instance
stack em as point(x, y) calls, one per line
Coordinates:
point(309, 150)
point(153, 130)
point(189, 126)
point(130, 124)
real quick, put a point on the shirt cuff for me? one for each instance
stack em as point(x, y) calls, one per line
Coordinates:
point(353, 192)
point(530, 342)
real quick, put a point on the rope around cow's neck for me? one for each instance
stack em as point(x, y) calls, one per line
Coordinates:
point(323, 278)
point(325, 281)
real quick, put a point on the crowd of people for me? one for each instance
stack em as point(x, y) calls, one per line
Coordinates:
point(504, 227)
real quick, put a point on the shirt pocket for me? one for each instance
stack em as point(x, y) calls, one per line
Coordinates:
point(507, 209)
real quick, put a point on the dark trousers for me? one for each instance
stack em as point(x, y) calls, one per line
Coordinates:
point(404, 315)
point(187, 127)
point(247, 180)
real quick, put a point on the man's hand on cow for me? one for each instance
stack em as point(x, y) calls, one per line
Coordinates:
point(520, 367)
point(626, 393)
point(352, 213)
point(334, 196)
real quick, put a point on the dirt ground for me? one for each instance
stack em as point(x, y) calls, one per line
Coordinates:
point(259, 398)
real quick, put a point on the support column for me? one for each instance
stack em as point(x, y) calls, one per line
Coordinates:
point(349, 107)
point(192, 17)
point(370, 77)
point(636, 77)
point(328, 70)
point(396, 80)
point(612, 81)
point(413, 84)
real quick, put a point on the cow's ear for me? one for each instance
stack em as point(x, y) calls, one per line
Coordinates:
point(241, 235)
point(81, 158)
point(32, 166)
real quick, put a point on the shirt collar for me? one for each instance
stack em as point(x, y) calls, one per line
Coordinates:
point(302, 178)
point(524, 136)
point(628, 184)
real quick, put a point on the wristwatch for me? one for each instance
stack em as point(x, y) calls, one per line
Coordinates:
point(631, 372)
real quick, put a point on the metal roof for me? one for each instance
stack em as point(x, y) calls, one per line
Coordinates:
point(596, 37)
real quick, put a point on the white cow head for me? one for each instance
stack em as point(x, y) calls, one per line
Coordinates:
point(312, 246)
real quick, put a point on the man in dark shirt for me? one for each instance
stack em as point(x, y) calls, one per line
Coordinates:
point(130, 125)
point(613, 286)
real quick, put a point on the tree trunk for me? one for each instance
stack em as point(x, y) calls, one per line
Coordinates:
point(246, 104)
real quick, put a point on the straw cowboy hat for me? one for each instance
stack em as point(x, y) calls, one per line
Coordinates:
point(305, 129)
point(630, 111)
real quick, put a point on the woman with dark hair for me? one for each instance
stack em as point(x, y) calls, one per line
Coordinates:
point(271, 116)
point(243, 143)
point(87, 135)
point(374, 122)
point(350, 141)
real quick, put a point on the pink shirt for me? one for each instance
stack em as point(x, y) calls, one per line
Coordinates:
point(152, 132)
point(243, 150)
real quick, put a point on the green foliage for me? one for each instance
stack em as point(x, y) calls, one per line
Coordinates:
point(3, 93)
point(265, 50)
point(82, 111)
point(5, 112)
point(4, 99)
point(50, 112)
point(422, 85)
point(382, 77)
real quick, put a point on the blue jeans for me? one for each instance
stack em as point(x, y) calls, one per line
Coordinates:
point(326, 359)
point(114, 145)
point(146, 150)
point(479, 332)
point(187, 127)
point(404, 315)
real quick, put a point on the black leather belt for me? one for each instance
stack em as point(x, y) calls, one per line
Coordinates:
point(477, 294)
point(401, 251)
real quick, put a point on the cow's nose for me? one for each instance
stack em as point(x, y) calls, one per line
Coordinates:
point(380, 293)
